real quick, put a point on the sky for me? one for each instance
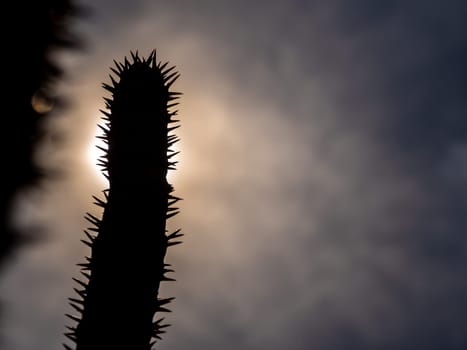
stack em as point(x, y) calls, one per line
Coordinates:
point(322, 167)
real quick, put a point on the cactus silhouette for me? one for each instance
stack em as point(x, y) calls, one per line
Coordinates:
point(119, 303)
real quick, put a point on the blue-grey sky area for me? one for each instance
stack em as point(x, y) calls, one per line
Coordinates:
point(322, 166)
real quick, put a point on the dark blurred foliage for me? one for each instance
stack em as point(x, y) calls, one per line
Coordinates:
point(33, 32)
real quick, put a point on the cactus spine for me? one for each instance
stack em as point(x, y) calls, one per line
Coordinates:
point(119, 301)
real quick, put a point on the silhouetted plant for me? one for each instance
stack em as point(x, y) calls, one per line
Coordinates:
point(39, 29)
point(119, 301)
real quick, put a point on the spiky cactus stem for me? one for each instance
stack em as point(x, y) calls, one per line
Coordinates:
point(128, 245)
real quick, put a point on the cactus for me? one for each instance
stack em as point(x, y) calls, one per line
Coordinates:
point(119, 303)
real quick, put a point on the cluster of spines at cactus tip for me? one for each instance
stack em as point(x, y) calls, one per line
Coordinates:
point(169, 76)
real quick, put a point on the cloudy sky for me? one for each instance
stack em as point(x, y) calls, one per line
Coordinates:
point(323, 168)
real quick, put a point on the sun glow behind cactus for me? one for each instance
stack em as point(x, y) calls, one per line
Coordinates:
point(96, 149)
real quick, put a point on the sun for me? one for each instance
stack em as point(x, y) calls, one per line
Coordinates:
point(96, 148)
point(94, 151)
